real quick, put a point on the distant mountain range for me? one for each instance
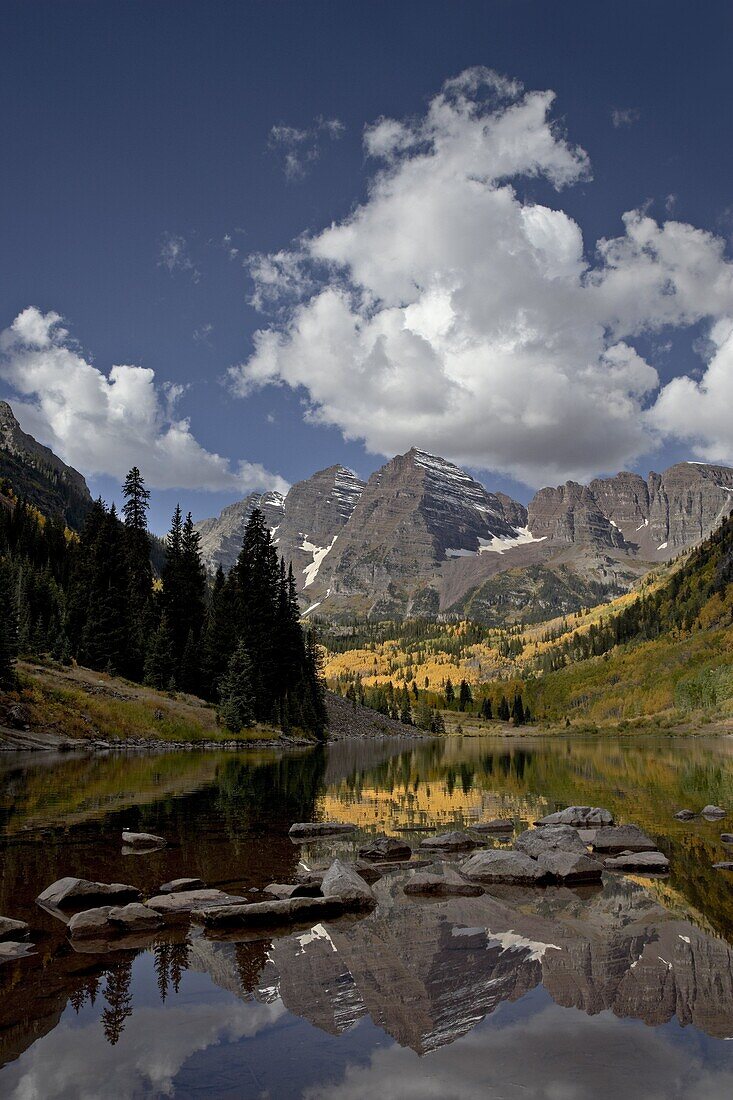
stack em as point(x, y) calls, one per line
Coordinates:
point(424, 538)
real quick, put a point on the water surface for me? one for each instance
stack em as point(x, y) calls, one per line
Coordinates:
point(624, 989)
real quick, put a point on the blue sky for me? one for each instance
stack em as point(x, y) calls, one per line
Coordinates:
point(141, 174)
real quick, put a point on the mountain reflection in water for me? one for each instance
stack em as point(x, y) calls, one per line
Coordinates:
point(621, 989)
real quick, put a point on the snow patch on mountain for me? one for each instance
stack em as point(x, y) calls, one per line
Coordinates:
point(497, 544)
point(319, 553)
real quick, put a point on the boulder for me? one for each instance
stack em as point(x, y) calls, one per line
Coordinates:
point(271, 913)
point(725, 865)
point(622, 838)
point(453, 841)
point(685, 815)
point(343, 881)
point(10, 950)
point(385, 848)
point(498, 825)
point(727, 838)
point(584, 817)
point(135, 918)
point(70, 893)
point(13, 929)
point(91, 924)
point(143, 840)
point(178, 885)
point(713, 811)
point(499, 865)
point(653, 862)
point(569, 867)
point(442, 881)
point(564, 838)
point(293, 890)
point(309, 829)
point(189, 901)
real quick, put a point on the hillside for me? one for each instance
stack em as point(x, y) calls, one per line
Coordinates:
point(664, 649)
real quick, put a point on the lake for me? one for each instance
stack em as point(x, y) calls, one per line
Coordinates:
point(618, 990)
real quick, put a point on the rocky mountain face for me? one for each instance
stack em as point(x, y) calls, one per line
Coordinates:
point(35, 472)
point(424, 538)
point(221, 537)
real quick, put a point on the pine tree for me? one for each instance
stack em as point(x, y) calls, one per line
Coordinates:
point(503, 710)
point(160, 659)
point(518, 710)
point(236, 708)
point(465, 698)
point(450, 694)
point(486, 711)
point(218, 636)
point(139, 568)
point(105, 635)
point(8, 627)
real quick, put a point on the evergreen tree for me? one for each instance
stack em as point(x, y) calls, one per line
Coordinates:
point(450, 694)
point(503, 710)
point(486, 711)
point(218, 636)
point(465, 698)
point(160, 659)
point(105, 635)
point(8, 627)
point(139, 567)
point(236, 708)
point(518, 710)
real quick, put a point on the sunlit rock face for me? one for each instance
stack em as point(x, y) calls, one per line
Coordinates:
point(427, 972)
point(221, 536)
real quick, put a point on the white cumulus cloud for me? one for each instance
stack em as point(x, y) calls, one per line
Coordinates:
point(454, 312)
point(106, 423)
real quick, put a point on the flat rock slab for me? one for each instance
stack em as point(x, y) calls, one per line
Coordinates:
point(570, 867)
point(343, 881)
point(548, 838)
point(637, 861)
point(583, 817)
point(454, 841)
point(72, 893)
point(179, 885)
point(385, 848)
point(726, 838)
point(307, 829)
point(724, 865)
point(499, 865)
point(713, 811)
point(442, 881)
point(293, 890)
point(622, 838)
point(10, 950)
point(108, 921)
point(685, 815)
point(189, 901)
point(270, 913)
point(143, 840)
point(498, 825)
point(13, 929)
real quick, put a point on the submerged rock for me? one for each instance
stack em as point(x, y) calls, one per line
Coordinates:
point(109, 921)
point(319, 828)
point(534, 842)
point(570, 867)
point(622, 838)
point(10, 950)
point(270, 913)
point(69, 893)
point(637, 861)
point(343, 881)
point(384, 848)
point(499, 865)
point(179, 885)
point(454, 841)
point(726, 838)
point(685, 815)
point(498, 825)
point(713, 811)
point(13, 929)
point(583, 817)
point(188, 901)
point(442, 880)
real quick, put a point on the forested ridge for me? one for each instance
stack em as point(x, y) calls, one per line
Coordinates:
point(94, 598)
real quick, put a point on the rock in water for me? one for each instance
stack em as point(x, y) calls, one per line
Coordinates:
point(135, 918)
point(499, 865)
point(685, 815)
point(442, 880)
point(91, 924)
point(622, 838)
point(725, 865)
point(454, 841)
point(570, 867)
point(584, 817)
point(653, 862)
point(143, 840)
point(13, 929)
point(188, 901)
point(69, 893)
point(11, 950)
point(342, 881)
point(319, 828)
point(534, 842)
point(713, 811)
point(385, 848)
point(293, 890)
point(179, 885)
point(271, 913)
point(727, 838)
point(498, 825)
point(108, 920)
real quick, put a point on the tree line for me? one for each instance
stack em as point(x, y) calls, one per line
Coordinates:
point(235, 640)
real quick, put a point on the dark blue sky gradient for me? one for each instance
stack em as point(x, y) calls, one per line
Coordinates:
point(121, 122)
